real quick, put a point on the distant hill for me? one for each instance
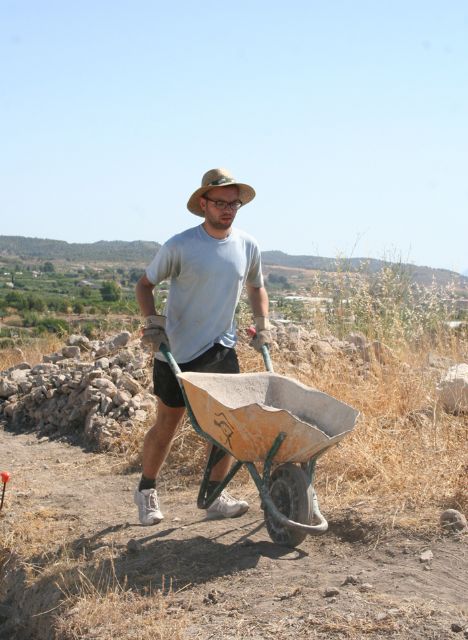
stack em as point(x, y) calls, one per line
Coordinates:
point(141, 252)
point(422, 275)
point(102, 251)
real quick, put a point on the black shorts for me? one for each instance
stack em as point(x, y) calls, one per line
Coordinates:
point(218, 359)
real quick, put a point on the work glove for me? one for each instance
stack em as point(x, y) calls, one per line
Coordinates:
point(262, 333)
point(154, 333)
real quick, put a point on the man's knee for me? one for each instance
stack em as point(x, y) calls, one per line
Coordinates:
point(169, 416)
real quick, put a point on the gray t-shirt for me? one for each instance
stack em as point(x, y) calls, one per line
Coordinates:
point(206, 279)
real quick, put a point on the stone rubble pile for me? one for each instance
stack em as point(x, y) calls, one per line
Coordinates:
point(97, 387)
point(291, 339)
point(294, 338)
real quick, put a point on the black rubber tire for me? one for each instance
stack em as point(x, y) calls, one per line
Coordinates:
point(292, 494)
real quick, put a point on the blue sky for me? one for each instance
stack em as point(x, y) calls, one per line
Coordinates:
point(350, 119)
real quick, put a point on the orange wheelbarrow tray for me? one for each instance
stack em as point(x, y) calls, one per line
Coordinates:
point(274, 420)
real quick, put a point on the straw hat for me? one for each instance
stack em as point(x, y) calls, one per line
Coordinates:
point(218, 178)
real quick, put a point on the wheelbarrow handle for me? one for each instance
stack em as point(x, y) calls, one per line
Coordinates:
point(164, 349)
point(266, 358)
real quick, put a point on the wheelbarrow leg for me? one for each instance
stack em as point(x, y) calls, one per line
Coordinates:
point(309, 469)
point(204, 499)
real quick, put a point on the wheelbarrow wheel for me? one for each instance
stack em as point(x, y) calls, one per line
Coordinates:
point(292, 494)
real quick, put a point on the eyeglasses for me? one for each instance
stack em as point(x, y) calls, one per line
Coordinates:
point(222, 205)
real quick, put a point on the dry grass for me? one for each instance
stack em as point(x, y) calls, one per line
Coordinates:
point(126, 615)
point(31, 352)
point(406, 452)
point(69, 595)
point(111, 611)
point(406, 460)
point(406, 455)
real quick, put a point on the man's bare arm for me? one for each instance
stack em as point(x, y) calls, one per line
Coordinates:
point(258, 298)
point(145, 298)
point(154, 331)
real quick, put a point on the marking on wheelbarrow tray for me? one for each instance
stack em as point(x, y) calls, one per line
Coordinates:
point(226, 429)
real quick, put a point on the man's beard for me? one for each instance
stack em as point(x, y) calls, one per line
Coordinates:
point(220, 224)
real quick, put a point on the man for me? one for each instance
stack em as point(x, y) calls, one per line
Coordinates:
point(208, 266)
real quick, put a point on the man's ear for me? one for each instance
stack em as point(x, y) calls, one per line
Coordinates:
point(202, 203)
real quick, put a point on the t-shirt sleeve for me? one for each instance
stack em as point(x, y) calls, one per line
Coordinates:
point(255, 275)
point(163, 265)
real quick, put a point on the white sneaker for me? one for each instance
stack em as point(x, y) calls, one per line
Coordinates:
point(148, 506)
point(225, 506)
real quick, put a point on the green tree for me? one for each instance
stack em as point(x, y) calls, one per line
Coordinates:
point(34, 302)
point(86, 292)
point(48, 267)
point(135, 275)
point(14, 299)
point(279, 281)
point(110, 291)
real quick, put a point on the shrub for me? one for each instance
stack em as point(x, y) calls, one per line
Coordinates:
point(22, 302)
point(52, 325)
point(399, 309)
point(278, 281)
point(45, 324)
point(110, 291)
point(30, 319)
point(89, 330)
point(34, 302)
point(61, 305)
point(64, 306)
point(86, 292)
point(387, 306)
point(7, 343)
point(13, 299)
point(134, 275)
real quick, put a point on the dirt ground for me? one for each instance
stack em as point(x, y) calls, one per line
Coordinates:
point(226, 577)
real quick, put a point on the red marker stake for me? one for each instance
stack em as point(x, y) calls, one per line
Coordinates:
point(5, 476)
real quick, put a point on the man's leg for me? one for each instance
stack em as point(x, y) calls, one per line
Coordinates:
point(226, 506)
point(156, 447)
point(218, 359)
point(221, 469)
point(158, 439)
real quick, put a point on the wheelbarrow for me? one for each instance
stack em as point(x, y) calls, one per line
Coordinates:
point(268, 420)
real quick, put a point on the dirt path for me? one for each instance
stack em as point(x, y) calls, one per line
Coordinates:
point(228, 577)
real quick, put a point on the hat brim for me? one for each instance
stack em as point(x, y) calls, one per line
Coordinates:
point(246, 195)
